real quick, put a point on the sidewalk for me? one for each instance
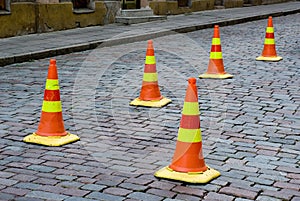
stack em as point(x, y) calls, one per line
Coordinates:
point(37, 46)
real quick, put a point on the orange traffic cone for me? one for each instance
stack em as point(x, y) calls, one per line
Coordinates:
point(216, 67)
point(188, 163)
point(269, 51)
point(51, 131)
point(150, 94)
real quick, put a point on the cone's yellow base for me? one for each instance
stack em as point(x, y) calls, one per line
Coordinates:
point(160, 103)
point(216, 76)
point(53, 141)
point(262, 58)
point(193, 177)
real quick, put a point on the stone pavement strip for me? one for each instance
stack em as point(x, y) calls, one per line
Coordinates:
point(250, 124)
point(36, 46)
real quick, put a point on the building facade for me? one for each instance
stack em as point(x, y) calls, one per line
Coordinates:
point(19, 17)
point(166, 7)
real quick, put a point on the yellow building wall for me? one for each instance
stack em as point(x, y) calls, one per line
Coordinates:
point(20, 21)
point(171, 7)
point(26, 18)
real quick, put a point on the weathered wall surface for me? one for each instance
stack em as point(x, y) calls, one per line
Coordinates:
point(22, 20)
point(30, 17)
point(172, 8)
point(37, 16)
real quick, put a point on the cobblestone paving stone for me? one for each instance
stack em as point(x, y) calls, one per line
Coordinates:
point(250, 124)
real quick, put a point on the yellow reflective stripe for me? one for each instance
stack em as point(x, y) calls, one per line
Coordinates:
point(269, 41)
point(52, 84)
point(189, 135)
point(216, 55)
point(270, 30)
point(190, 108)
point(51, 106)
point(150, 77)
point(216, 41)
point(150, 60)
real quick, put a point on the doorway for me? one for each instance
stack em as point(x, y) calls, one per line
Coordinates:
point(80, 3)
point(131, 4)
point(2, 5)
point(183, 3)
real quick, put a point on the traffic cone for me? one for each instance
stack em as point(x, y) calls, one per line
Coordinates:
point(188, 163)
point(51, 130)
point(269, 51)
point(215, 66)
point(150, 94)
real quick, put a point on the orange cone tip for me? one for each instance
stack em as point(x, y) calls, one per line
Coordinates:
point(150, 94)
point(51, 130)
point(188, 164)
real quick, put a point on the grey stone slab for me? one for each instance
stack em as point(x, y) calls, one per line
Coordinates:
point(134, 187)
point(267, 198)
point(93, 187)
point(46, 195)
point(30, 186)
point(104, 197)
point(6, 175)
point(26, 199)
point(6, 196)
point(144, 196)
point(8, 182)
point(73, 198)
point(41, 168)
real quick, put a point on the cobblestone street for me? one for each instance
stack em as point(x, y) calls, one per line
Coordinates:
point(250, 124)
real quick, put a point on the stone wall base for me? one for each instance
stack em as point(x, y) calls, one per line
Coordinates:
point(233, 3)
point(172, 8)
